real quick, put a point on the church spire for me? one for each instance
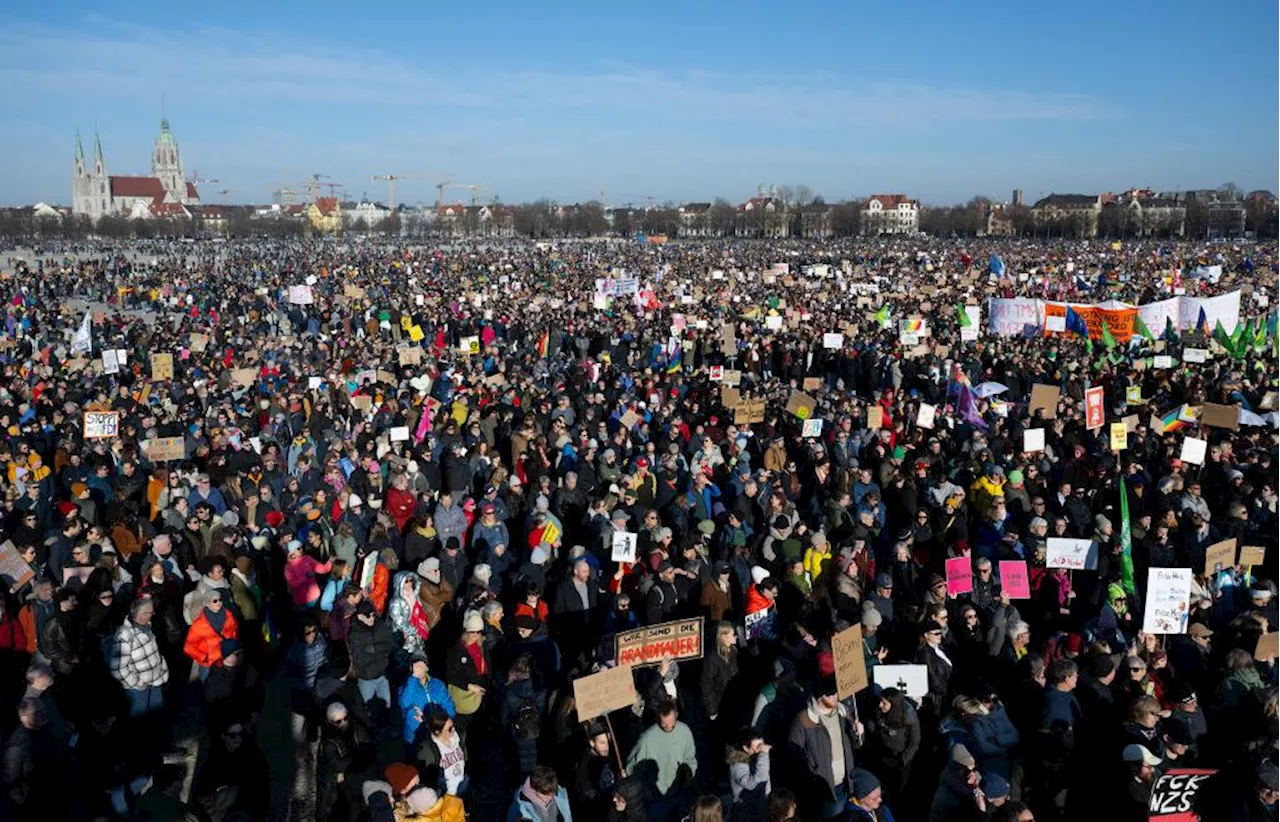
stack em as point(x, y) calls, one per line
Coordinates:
point(79, 147)
point(97, 146)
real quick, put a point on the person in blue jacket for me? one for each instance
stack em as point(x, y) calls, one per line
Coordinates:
point(540, 798)
point(418, 695)
point(866, 803)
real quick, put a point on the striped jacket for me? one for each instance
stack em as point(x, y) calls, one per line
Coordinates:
point(136, 660)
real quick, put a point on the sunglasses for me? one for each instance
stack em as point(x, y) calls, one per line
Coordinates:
point(1137, 670)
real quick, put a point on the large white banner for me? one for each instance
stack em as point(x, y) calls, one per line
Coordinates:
point(1157, 315)
point(1224, 309)
point(1008, 318)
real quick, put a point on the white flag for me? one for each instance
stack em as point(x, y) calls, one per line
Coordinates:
point(82, 342)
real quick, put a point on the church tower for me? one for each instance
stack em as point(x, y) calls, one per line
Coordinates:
point(89, 194)
point(166, 165)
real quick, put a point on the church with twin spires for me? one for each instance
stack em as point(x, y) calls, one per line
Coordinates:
point(97, 194)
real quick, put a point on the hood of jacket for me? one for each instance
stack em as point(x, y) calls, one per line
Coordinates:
point(397, 582)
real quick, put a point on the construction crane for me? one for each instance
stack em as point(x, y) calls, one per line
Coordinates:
point(441, 186)
point(224, 192)
point(284, 195)
point(196, 179)
point(313, 186)
point(391, 184)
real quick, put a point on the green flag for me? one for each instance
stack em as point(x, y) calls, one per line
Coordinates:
point(882, 316)
point(1126, 543)
point(1141, 328)
point(962, 317)
point(1107, 340)
point(1223, 339)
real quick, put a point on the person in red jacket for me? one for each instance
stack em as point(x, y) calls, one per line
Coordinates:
point(204, 639)
point(761, 592)
point(401, 503)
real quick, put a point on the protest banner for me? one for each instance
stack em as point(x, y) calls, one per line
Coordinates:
point(959, 576)
point(409, 355)
point(851, 665)
point(748, 412)
point(1119, 436)
point(1032, 440)
point(912, 680)
point(163, 449)
point(759, 624)
point(1073, 554)
point(1173, 796)
point(1220, 416)
point(14, 570)
point(301, 295)
point(875, 417)
point(161, 367)
point(624, 546)
point(1118, 319)
point(1014, 580)
point(1268, 646)
point(1253, 555)
point(100, 424)
point(1219, 556)
point(1044, 397)
point(729, 397)
point(1168, 601)
point(609, 690)
point(1193, 450)
point(800, 405)
point(1094, 413)
point(680, 639)
point(927, 415)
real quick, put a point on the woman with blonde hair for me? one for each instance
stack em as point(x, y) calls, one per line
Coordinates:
point(719, 669)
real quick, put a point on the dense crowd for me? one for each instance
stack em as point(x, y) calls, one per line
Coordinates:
point(398, 477)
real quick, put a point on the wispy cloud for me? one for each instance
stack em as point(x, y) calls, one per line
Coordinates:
point(226, 68)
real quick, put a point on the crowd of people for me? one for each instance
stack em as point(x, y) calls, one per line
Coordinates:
point(398, 477)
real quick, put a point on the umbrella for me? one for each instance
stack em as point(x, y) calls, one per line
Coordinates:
point(989, 389)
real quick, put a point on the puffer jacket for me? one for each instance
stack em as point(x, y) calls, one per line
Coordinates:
point(370, 648)
point(749, 781)
point(204, 644)
point(434, 598)
point(407, 615)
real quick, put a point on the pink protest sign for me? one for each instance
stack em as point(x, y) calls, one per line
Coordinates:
point(959, 576)
point(1014, 580)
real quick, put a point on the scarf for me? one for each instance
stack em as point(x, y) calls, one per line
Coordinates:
point(217, 620)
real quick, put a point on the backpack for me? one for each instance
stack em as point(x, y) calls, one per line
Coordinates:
point(528, 719)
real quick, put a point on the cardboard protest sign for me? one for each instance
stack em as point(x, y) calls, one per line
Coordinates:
point(875, 417)
point(759, 624)
point(1173, 797)
point(1168, 601)
point(1073, 554)
point(1094, 413)
point(630, 419)
point(161, 367)
point(410, 355)
point(362, 403)
point(681, 639)
point(354, 292)
point(1268, 646)
point(732, 378)
point(801, 405)
point(912, 680)
point(851, 666)
point(925, 418)
point(1219, 555)
point(1193, 450)
point(959, 576)
point(1044, 397)
point(748, 412)
point(163, 449)
point(812, 383)
point(729, 397)
point(13, 568)
point(1032, 440)
point(609, 690)
point(244, 377)
point(101, 424)
point(1220, 416)
point(1119, 436)
point(624, 546)
point(1253, 555)
point(1014, 580)
point(385, 377)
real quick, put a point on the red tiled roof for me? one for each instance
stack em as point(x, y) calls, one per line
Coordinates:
point(327, 205)
point(191, 192)
point(450, 210)
point(168, 210)
point(137, 187)
point(888, 201)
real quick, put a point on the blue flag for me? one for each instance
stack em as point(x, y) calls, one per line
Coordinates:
point(1076, 324)
point(995, 265)
point(1202, 322)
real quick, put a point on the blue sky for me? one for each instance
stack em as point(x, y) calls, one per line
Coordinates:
point(676, 100)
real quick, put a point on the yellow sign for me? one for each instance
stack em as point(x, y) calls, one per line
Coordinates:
point(415, 333)
point(1119, 436)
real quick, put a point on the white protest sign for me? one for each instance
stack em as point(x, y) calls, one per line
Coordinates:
point(301, 295)
point(912, 680)
point(1194, 355)
point(312, 279)
point(833, 341)
point(925, 418)
point(773, 322)
point(812, 428)
point(1056, 322)
point(1032, 440)
point(1073, 554)
point(101, 424)
point(1168, 606)
point(400, 433)
point(110, 362)
point(1162, 361)
point(1193, 450)
point(624, 546)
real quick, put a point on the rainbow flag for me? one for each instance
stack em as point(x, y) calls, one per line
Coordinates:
point(1178, 418)
point(544, 343)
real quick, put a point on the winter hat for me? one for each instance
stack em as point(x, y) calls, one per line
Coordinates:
point(473, 622)
point(862, 783)
point(354, 501)
point(429, 569)
point(1101, 521)
point(1114, 592)
point(482, 573)
point(884, 580)
point(825, 685)
point(400, 776)
point(871, 618)
point(539, 555)
point(372, 786)
point(758, 574)
point(995, 786)
point(960, 755)
point(706, 527)
point(1015, 479)
point(422, 800)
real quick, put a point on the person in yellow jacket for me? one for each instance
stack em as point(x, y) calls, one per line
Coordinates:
point(817, 556)
point(987, 489)
point(426, 805)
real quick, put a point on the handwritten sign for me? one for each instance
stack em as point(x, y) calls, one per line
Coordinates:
point(13, 568)
point(748, 412)
point(1133, 395)
point(399, 433)
point(1072, 554)
point(163, 449)
point(161, 367)
point(301, 295)
point(1094, 413)
point(1268, 646)
point(1173, 797)
point(1168, 601)
point(1219, 556)
point(600, 693)
point(730, 397)
point(681, 639)
point(1220, 416)
point(101, 424)
point(812, 428)
point(1119, 436)
point(812, 383)
point(244, 377)
point(1044, 397)
point(851, 665)
point(959, 576)
point(801, 405)
point(624, 546)
point(1253, 555)
point(875, 417)
point(759, 624)
point(410, 355)
point(832, 341)
point(925, 417)
point(110, 361)
point(198, 343)
point(1014, 581)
